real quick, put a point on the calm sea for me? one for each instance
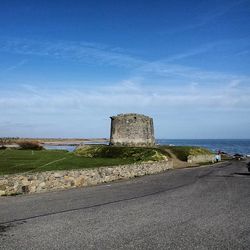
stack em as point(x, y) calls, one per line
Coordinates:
point(56, 147)
point(69, 148)
point(225, 145)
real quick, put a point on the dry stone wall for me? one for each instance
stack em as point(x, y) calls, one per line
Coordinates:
point(46, 181)
point(201, 158)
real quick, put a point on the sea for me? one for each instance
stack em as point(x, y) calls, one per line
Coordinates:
point(229, 146)
point(57, 147)
point(235, 146)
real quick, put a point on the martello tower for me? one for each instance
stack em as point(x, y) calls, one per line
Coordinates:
point(132, 130)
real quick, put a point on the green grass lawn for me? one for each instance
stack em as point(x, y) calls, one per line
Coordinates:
point(17, 161)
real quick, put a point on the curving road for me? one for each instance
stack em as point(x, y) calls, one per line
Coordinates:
point(198, 208)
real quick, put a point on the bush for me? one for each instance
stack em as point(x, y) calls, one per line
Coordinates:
point(7, 140)
point(34, 145)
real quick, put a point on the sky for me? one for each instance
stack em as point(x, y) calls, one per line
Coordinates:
point(67, 66)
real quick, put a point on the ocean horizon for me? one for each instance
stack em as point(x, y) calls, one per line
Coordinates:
point(230, 146)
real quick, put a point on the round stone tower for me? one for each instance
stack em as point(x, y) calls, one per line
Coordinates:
point(132, 130)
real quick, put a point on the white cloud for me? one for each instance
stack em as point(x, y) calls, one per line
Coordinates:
point(124, 95)
point(85, 112)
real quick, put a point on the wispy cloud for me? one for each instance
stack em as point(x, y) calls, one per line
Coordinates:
point(165, 70)
point(14, 66)
point(205, 18)
point(208, 47)
point(125, 96)
point(86, 111)
point(104, 55)
point(169, 71)
point(77, 51)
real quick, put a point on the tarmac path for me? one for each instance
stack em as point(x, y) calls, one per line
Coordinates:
point(194, 208)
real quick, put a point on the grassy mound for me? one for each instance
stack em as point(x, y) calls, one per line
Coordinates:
point(182, 152)
point(134, 154)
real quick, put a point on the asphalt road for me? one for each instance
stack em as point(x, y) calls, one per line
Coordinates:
point(198, 208)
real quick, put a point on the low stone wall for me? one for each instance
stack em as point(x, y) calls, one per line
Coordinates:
point(46, 181)
point(201, 158)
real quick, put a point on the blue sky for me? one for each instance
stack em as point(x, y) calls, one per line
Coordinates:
point(67, 66)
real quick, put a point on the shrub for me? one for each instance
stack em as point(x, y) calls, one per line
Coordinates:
point(7, 140)
point(34, 145)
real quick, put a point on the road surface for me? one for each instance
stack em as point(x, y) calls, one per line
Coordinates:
point(198, 208)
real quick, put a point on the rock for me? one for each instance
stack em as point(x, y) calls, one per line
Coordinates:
point(2, 192)
point(32, 189)
point(25, 189)
point(42, 185)
point(57, 175)
point(80, 181)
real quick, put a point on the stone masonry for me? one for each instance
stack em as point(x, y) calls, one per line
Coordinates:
point(201, 158)
point(132, 130)
point(58, 180)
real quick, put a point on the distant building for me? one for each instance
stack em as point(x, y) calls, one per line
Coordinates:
point(132, 130)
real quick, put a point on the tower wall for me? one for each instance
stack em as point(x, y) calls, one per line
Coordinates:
point(132, 130)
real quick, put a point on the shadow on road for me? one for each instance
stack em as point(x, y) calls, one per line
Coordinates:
point(242, 173)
